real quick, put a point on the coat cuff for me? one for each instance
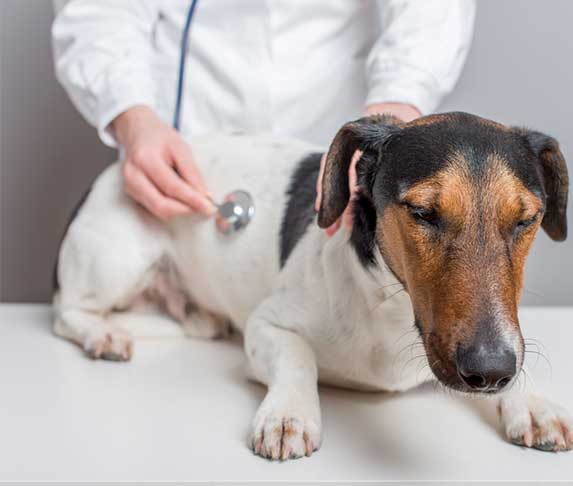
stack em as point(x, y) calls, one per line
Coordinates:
point(392, 82)
point(122, 94)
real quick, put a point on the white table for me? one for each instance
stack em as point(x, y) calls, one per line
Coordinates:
point(182, 409)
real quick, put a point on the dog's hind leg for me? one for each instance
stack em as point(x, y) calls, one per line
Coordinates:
point(110, 256)
point(95, 284)
point(95, 334)
point(288, 422)
point(91, 293)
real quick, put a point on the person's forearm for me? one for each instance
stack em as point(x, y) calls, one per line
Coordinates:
point(400, 110)
point(102, 57)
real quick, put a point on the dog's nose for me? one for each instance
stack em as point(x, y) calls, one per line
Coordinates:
point(487, 368)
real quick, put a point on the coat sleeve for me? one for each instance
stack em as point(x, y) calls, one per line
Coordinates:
point(421, 52)
point(102, 56)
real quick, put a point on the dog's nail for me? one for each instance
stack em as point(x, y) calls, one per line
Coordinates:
point(275, 453)
point(309, 446)
point(285, 453)
point(569, 436)
point(528, 439)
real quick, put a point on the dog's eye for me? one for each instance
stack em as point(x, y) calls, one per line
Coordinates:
point(423, 215)
point(525, 223)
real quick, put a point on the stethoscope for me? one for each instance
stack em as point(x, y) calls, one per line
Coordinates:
point(237, 209)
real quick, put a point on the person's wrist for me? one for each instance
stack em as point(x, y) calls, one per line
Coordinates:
point(403, 111)
point(131, 121)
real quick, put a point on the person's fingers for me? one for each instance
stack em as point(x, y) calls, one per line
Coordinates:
point(332, 229)
point(142, 190)
point(173, 186)
point(183, 160)
point(186, 168)
point(318, 200)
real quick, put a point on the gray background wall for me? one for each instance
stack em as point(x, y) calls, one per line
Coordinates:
point(519, 71)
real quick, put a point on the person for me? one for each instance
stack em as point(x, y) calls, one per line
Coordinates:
point(294, 68)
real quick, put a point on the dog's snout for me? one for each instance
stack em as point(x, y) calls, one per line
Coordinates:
point(486, 368)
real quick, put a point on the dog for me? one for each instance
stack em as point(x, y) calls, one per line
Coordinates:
point(447, 208)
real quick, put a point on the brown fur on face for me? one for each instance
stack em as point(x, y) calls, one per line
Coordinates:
point(464, 266)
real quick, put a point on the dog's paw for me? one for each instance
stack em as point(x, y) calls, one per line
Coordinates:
point(109, 343)
point(277, 437)
point(282, 433)
point(535, 422)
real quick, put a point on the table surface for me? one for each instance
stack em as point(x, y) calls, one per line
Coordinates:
point(181, 409)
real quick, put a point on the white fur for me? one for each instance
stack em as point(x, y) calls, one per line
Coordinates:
point(323, 317)
point(534, 421)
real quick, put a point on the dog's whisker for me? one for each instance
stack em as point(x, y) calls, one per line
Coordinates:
point(425, 366)
point(409, 331)
point(430, 372)
point(389, 285)
point(545, 358)
point(527, 376)
point(537, 294)
point(420, 356)
point(537, 355)
point(523, 373)
point(378, 304)
point(526, 350)
point(410, 347)
point(535, 342)
point(521, 381)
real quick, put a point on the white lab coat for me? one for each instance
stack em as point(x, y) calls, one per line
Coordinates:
point(294, 67)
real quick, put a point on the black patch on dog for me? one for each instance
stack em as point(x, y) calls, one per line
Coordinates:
point(299, 212)
point(418, 326)
point(71, 217)
point(363, 237)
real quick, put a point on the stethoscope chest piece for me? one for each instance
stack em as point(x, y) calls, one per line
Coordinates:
point(235, 213)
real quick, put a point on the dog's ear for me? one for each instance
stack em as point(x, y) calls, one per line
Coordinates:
point(555, 182)
point(363, 134)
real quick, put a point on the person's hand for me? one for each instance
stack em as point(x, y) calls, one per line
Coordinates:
point(401, 111)
point(159, 172)
point(405, 113)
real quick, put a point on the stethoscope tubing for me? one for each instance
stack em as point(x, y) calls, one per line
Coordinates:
point(182, 64)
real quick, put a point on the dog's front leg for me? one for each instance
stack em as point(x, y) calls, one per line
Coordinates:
point(287, 424)
point(533, 421)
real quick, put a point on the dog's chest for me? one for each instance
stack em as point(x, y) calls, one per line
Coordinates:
point(378, 350)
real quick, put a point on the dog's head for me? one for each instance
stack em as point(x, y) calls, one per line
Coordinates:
point(453, 203)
